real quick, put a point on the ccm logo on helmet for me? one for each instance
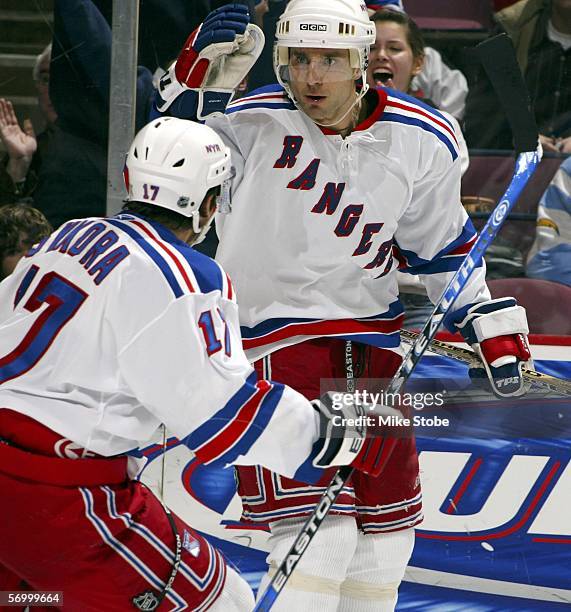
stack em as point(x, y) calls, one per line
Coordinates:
point(313, 27)
point(212, 148)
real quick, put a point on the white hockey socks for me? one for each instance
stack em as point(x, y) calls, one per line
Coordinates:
point(376, 571)
point(236, 595)
point(316, 582)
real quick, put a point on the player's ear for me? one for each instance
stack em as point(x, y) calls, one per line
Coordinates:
point(208, 206)
point(418, 64)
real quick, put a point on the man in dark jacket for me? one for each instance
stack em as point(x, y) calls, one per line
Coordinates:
point(541, 34)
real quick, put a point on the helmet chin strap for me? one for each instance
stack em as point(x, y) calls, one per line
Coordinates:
point(357, 100)
point(200, 232)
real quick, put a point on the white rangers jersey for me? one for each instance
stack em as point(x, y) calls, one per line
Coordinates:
point(320, 224)
point(110, 327)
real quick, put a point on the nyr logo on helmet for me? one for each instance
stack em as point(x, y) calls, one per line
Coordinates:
point(313, 27)
point(212, 148)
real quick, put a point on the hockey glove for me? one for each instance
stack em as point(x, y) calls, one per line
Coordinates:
point(214, 60)
point(347, 438)
point(497, 331)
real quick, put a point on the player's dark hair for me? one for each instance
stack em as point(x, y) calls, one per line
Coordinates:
point(21, 226)
point(414, 36)
point(169, 218)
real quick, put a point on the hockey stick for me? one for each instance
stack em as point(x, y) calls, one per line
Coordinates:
point(499, 61)
point(558, 385)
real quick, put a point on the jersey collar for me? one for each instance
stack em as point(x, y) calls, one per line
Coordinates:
point(165, 233)
point(378, 100)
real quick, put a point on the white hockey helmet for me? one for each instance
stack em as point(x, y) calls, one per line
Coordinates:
point(327, 24)
point(173, 162)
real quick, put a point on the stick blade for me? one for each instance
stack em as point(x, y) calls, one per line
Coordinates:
point(498, 57)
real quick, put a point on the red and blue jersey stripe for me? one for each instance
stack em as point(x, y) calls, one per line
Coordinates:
point(380, 330)
point(401, 108)
point(232, 431)
point(270, 96)
point(184, 269)
point(448, 259)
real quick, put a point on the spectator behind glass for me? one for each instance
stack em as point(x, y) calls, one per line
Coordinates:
point(550, 255)
point(24, 151)
point(73, 181)
point(21, 227)
point(397, 57)
point(446, 87)
point(41, 74)
point(541, 33)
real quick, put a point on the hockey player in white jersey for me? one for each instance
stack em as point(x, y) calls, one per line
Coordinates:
point(109, 328)
point(336, 187)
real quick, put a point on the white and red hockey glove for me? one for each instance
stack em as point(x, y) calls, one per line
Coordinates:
point(349, 435)
point(214, 60)
point(497, 331)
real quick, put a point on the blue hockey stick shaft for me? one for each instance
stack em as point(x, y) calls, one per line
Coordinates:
point(526, 163)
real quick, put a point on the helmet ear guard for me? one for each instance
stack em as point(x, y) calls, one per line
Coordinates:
point(355, 59)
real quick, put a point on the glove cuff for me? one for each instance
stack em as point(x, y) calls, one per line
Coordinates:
point(338, 444)
point(502, 322)
point(502, 350)
point(497, 330)
point(213, 102)
point(169, 90)
point(500, 317)
point(343, 451)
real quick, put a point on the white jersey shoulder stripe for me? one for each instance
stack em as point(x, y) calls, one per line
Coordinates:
point(272, 97)
point(172, 264)
point(227, 288)
point(178, 263)
point(261, 97)
point(402, 107)
point(422, 109)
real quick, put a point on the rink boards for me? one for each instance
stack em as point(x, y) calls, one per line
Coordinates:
point(497, 527)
